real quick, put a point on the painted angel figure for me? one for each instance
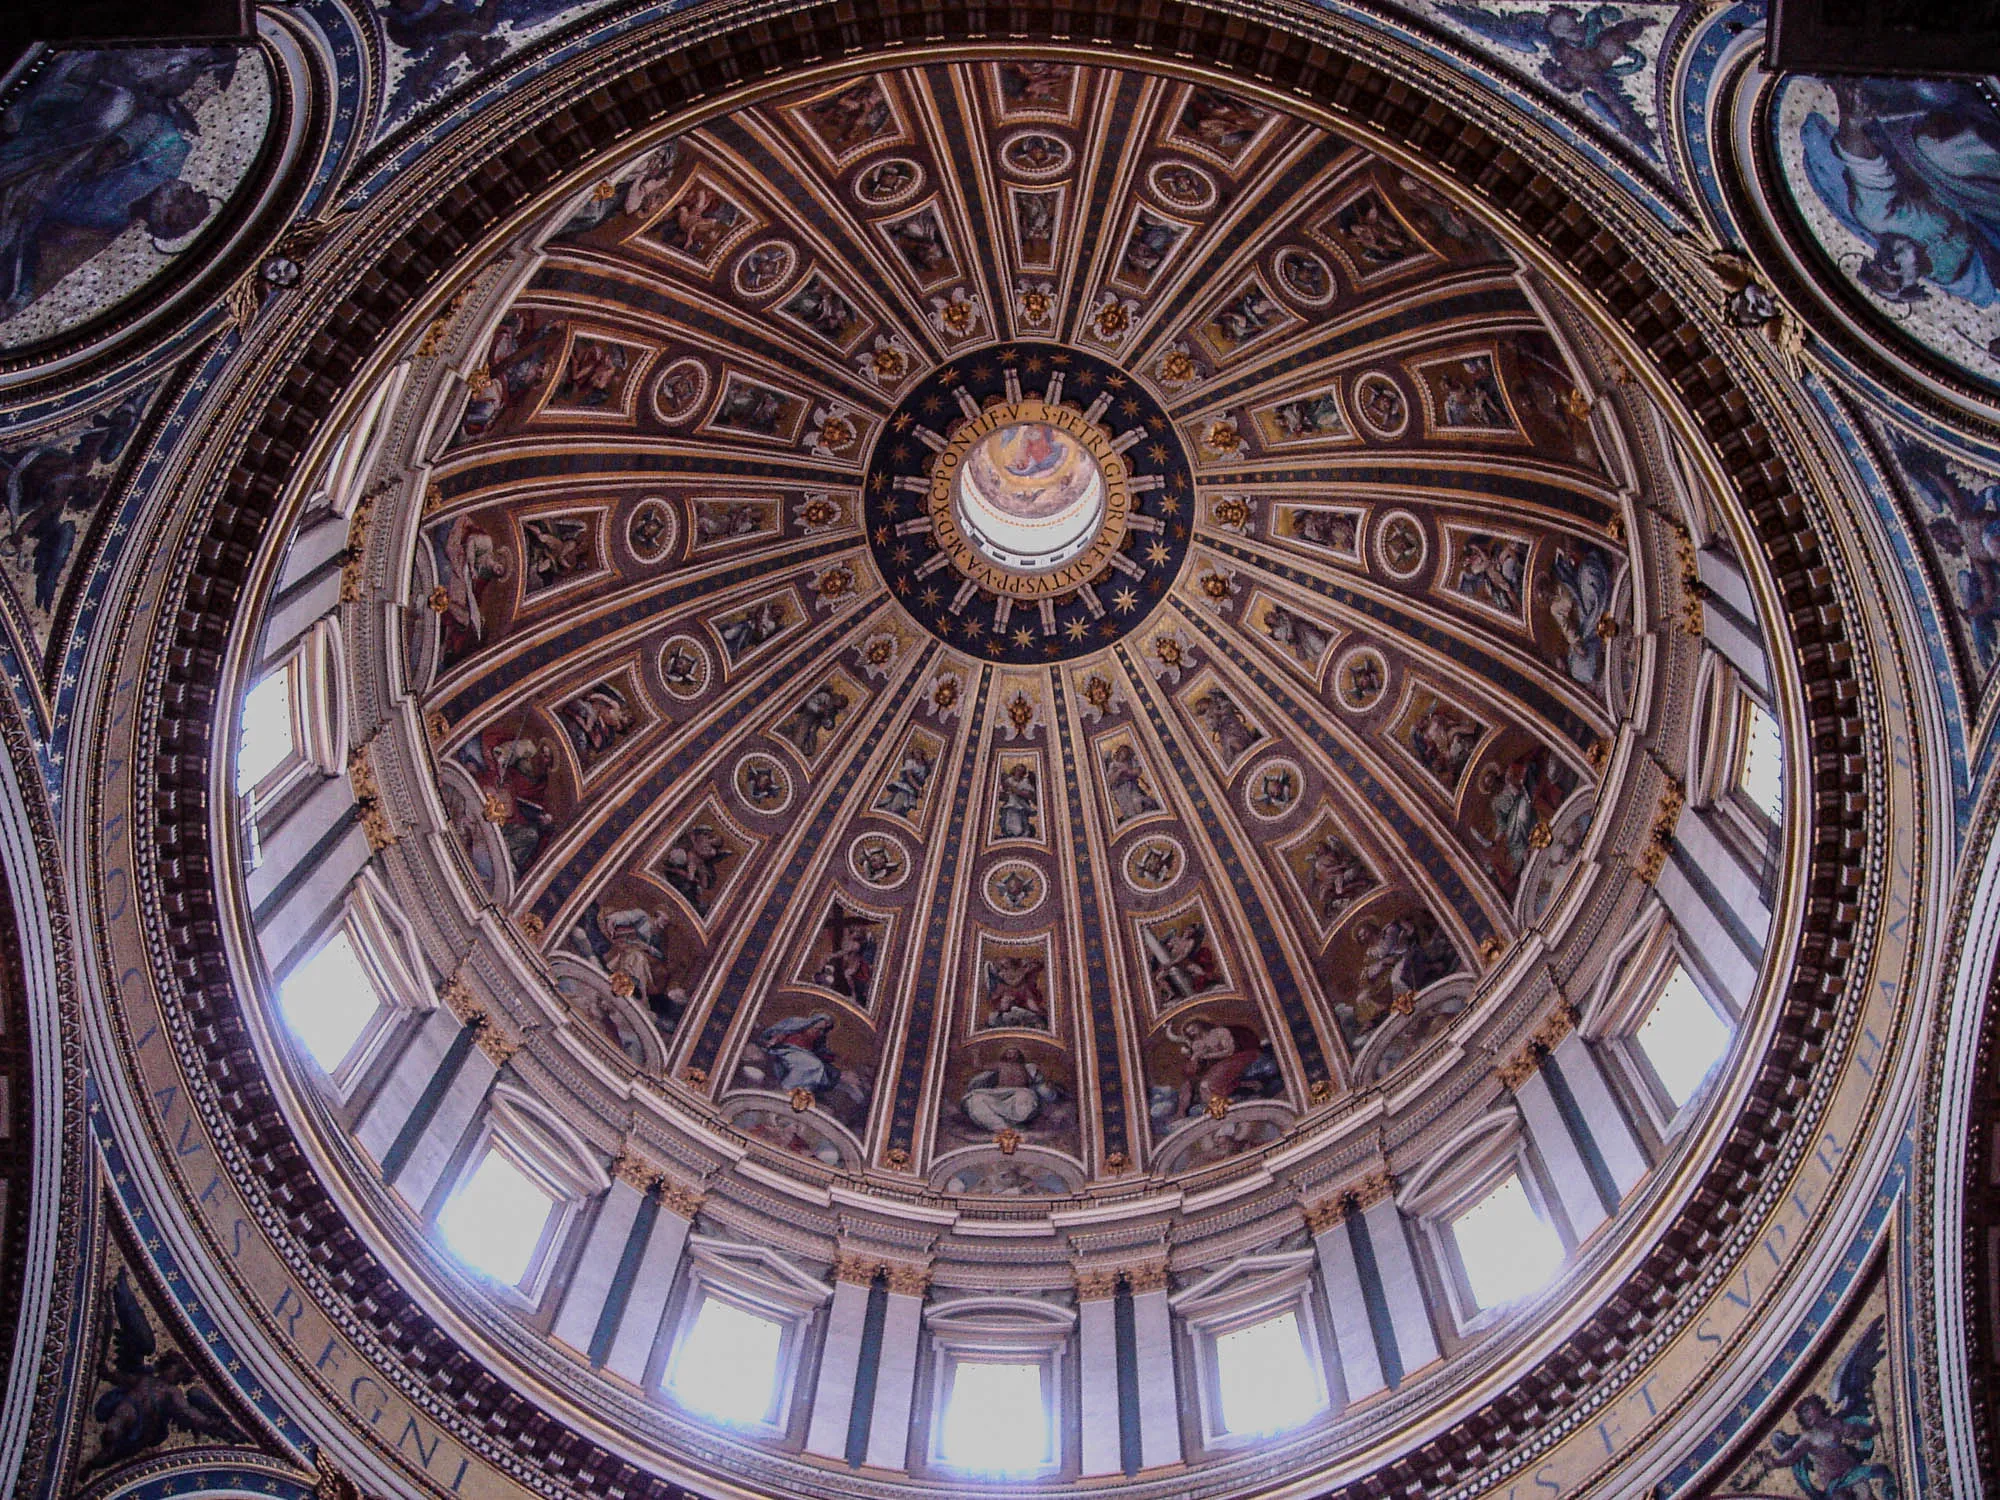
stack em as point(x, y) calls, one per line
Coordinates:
point(472, 559)
point(1233, 733)
point(1490, 569)
point(636, 943)
point(1020, 806)
point(1832, 1455)
point(150, 1393)
point(1014, 994)
point(1219, 1059)
point(51, 481)
point(1910, 166)
point(903, 794)
point(1579, 584)
point(1125, 781)
point(1008, 1095)
point(1586, 54)
point(1964, 526)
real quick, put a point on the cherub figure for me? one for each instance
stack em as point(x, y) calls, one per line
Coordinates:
point(1014, 995)
point(1832, 1455)
point(1587, 54)
point(150, 1393)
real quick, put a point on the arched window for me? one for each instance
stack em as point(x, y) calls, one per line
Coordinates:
point(1507, 1248)
point(726, 1365)
point(498, 1217)
point(1682, 1036)
point(329, 1000)
point(1495, 1223)
point(1257, 1347)
point(996, 1391)
point(736, 1348)
point(1760, 760)
point(516, 1194)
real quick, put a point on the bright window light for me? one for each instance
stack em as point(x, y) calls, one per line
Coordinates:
point(1264, 1377)
point(1682, 1037)
point(1508, 1250)
point(1762, 772)
point(494, 1222)
point(996, 1422)
point(328, 1002)
point(727, 1364)
point(266, 739)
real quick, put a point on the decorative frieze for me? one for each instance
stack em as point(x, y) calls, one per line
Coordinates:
point(635, 1171)
point(357, 544)
point(1661, 842)
point(1548, 1036)
point(375, 822)
point(489, 1036)
point(855, 1269)
point(679, 1198)
point(1095, 1283)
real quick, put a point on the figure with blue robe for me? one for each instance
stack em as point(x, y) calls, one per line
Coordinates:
point(1913, 168)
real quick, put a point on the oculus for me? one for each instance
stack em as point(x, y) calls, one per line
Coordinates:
point(1030, 506)
point(1029, 496)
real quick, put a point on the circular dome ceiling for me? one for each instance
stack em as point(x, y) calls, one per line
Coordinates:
point(1018, 676)
point(1023, 623)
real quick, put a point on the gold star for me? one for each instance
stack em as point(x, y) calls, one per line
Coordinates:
point(1116, 382)
point(944, 377)
point(1179, 530)
point(901, 556)
point(1177, 483)
point(903, 587)
point(1108, 628)
point(900, 452)
point(1170, 505)
point(1034, 364)
point(879, 483)
point(1157, 452)
point(1050, 648)
point(1023, 637)
point(1125, 601)
point(995, 648)
point(1130, 406)
point(881, 536)
point(929, 597)
point(933, 403)
point(1008, 356)
point(972, 626)
point(1156, 552)
point(982, 373)
point(1086, 377)
point(1078, 628)
point(1157, 422)
point(902, 422)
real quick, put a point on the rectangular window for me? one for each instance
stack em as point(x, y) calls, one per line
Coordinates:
point(1682, 1037)
point(1760, 772)
point(495, 1220)
point(1264, 1377)
point(996, 1419)
point(1508, 1250)
point(265, 740)
point(727, 1364)
point(328, 1001)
